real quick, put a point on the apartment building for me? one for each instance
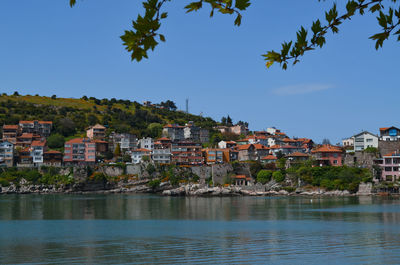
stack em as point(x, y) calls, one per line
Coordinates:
point(80, 151)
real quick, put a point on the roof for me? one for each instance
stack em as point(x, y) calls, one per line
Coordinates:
point(163, 139)
point(394, 153)
point(297, 154)
point(387, 128)
point(241, 177)
point(141, 150)
point(26, 135)
point(52, 152)
point(269, 157)
point(327, 148)
point(97, 126)
point(173, 126)
point(76, 141)
point(247, 146)
point(363, 132)
point(41, 122)
point(38, 143)
point(100, 141)
point(10, 127)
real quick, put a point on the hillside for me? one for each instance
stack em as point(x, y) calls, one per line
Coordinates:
point(71, 116)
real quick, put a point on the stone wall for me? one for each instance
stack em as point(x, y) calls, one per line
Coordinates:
point(386, 147)
point(360, 159)
point(220, 172)
point(204, 172)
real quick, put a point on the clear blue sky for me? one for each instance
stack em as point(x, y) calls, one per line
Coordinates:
point(48, 48)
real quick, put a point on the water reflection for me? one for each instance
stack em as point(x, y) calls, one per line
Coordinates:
point(141, 229)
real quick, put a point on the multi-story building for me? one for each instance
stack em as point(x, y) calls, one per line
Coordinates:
point(24, 157)
point(389, 133)
point(97, 132)
point(26, 139)
point(364, 140)
point(37, 150)
point(162, 151)
point(269, 159)
point(215, 155)
point(328, 155)
point(10, 133)
point(52, 158)
point(194, 133)
point(146, 143)
point(235, 129)
point(251, 152)
point(80, 151)
point(138, 154)
point(6, 153)
point(174, 132)
point(186, 153)
point(390, 164)
point(42, 128)
point(286, 149)
point(126, 141)
point(347, 142)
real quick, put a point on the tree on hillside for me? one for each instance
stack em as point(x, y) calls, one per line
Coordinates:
point(169, 105)
point(145, 35)
point(55, 141)
point(66, 127)
point(326, 141)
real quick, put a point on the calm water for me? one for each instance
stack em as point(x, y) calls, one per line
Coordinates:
point(89, 229)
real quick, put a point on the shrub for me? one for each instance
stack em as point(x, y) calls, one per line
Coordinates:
point(150, 169)
point(55, 141)
point(278, 176)
point(4, 183)
point(264, 176)
point(155, 183)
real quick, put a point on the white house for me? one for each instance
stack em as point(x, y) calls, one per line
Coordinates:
point(390, 133)
point(138, 154)
point(365, 139)
point(6, 153)
point(348, 142)
point(146, 143)
point(37, 150)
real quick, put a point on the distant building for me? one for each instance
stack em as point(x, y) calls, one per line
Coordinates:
point(364, 140)
point(126, 141)
point(389, 133)
point(146, 143)
point(226, 144)
point(251, 152)
point(42, 128)
point(10, 133)
point(216, 155)
point(37, 150)
point(80, 151)
point(52, 158)
point(269, 159)
point(186, 153)
point(96, 132)
point(6, 153)
point(235, 129)
point(174, 132)
point(138, 154)
point(348, 142)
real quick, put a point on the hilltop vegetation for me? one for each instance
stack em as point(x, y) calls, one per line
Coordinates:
point(72, 116)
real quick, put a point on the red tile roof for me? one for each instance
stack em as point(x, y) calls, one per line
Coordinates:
point(327, 149)
point(298, 154)
point(142, 150)
point(26, 135)
point(10, 127)
point(241, 177)
point(164, 139)
point(38, 143)
point(269, 157)
point(52, 152)
point(76, 141)
point(257, 146)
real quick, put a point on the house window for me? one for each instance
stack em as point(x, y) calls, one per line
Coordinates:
point(388, 169)
point(335, 162)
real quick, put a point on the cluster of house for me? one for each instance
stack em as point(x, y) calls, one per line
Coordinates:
point(24, 145)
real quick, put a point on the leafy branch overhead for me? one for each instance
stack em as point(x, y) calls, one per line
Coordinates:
point(145, 35)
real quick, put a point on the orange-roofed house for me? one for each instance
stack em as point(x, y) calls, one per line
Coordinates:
point(389, 133)
point(297, 157)
point(216, 155)
point(80, 151)
point(253, 152)
point(10, 133)
point(42, 128)
point(241, 180)
point(328, 155)
point(97, 132)
point(6, 153)
point(269, 159)
point(52, 158)
point(286, 149)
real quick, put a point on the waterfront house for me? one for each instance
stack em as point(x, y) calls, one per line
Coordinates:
point(80, 151)
point(126, 141)
point(241, 180)
point(10, 133)
point(52, 158)
point(24, 157)
point(390, 164)
point(328, 155)
point(146, 143)
point(161, 152)
point(186, 153)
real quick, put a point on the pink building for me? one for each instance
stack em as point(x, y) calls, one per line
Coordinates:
point(80, 151)
point(390, 166)
point(96, 132)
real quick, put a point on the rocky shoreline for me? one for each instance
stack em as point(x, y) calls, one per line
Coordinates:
point(165, 189)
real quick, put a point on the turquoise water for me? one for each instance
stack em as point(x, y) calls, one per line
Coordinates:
point(147, 229)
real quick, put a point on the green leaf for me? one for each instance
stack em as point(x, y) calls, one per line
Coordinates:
point(242, 4)
point(162, 37)
point(164, 15)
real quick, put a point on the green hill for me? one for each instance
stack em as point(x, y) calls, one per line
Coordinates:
point(72, 116)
